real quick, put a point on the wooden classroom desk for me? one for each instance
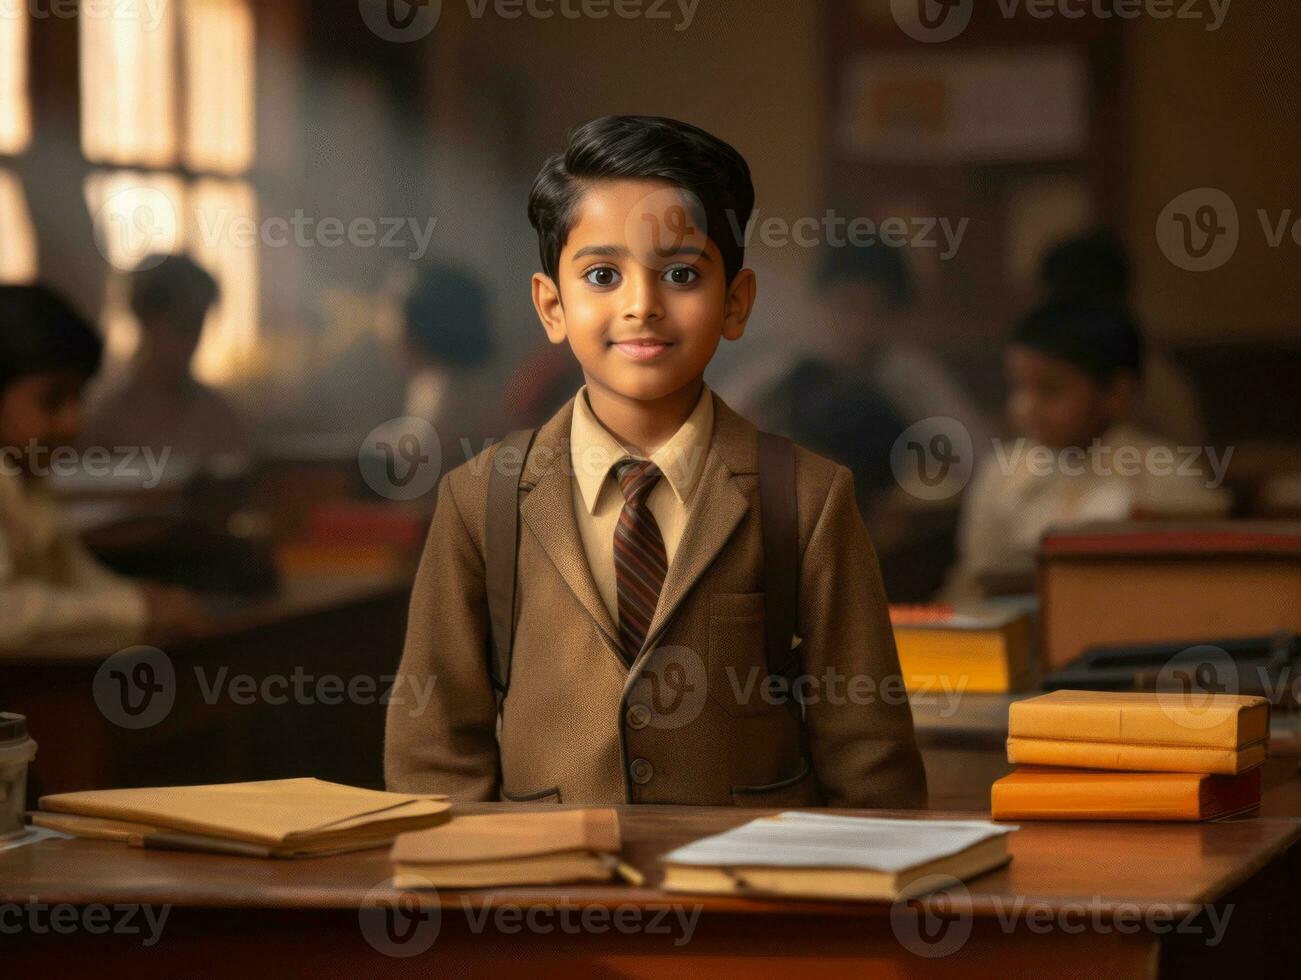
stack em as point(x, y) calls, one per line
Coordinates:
point(1077, 900)
point(336, 627)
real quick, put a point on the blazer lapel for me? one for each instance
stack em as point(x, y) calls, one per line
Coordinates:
point(548, 511)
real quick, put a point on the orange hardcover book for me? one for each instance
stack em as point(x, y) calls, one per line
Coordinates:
point(1199, 733)
point(1033, 793)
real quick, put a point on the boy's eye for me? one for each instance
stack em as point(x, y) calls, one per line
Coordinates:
point(602, 275)
point(682, 275)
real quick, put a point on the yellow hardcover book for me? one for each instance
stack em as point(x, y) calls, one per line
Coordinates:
point(976, 650)
point(1196, 720)
point(1210, 733)
point(1131, 756)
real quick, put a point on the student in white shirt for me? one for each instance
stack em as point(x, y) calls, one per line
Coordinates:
point(1074, 375)
point(53, 594)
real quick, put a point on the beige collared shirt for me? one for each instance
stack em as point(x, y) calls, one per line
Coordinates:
point(598, 501)
point(54, 595)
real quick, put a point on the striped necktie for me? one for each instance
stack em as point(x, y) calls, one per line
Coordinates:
point(640, 561)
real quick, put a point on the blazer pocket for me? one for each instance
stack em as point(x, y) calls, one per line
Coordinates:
point(799, 790)
point(551, 795)
point(737, 663)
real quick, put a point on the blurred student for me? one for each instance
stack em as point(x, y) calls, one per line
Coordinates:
point(864, 359)
point(1093, 269)
point(1074, 375)
point(160, 404)
point(447, 340)
point(53, 594)
point(871, 299)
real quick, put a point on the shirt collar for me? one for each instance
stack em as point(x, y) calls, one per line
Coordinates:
point(594, 449)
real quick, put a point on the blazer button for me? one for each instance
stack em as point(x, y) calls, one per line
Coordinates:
point(642, 771)
point(639, 716)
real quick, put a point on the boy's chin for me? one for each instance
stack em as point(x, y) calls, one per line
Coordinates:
point(651, 386)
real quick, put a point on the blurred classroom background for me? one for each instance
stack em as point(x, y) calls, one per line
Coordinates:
point(342, 169)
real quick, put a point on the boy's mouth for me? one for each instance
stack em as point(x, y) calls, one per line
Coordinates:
point(643, 348)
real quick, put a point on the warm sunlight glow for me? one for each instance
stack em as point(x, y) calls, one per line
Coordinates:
point(17, 236)
point(218, 45)
point(128, 83)
point(15, 112)
point(221, 208)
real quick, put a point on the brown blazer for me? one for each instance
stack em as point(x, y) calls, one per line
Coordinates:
point(693, 720)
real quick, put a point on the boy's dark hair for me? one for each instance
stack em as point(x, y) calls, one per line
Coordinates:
point(1101, 341)
point(877, 264)
point(1089, 268)
point(169, 284)
point(40, 331)
point(644, 148)
point(447, 318)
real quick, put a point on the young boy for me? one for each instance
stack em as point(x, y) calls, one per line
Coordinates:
point(53, 594)
point(638, 670)
point(160, 404)
point(1074, 373)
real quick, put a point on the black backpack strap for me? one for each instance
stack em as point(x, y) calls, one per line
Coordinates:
point(501, 551)
point(781, 552)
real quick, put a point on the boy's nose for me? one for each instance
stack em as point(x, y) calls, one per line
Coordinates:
point(643, 297)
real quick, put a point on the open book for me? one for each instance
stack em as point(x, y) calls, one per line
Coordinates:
point(278, 818)
point(815, 855)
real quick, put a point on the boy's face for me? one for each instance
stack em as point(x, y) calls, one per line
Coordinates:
point(1057, 404)
point(170, 340)
point(43, 408)
point(641, 294)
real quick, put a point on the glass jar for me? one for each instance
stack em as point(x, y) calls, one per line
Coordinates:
point(17, 750)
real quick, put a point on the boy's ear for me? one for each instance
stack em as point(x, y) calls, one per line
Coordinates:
point(739, 304)
point(546, 300)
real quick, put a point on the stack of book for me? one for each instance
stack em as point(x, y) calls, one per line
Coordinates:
point(504, 849)
point(1101, 755)
point(976, 649)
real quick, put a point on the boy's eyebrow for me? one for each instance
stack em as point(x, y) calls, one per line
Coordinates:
point(620, 251)
point(611, 250)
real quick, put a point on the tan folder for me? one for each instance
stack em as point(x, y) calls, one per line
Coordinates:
point(286, 816)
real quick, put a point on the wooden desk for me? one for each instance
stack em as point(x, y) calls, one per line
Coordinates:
point(1077, 900)
point(321, 630)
